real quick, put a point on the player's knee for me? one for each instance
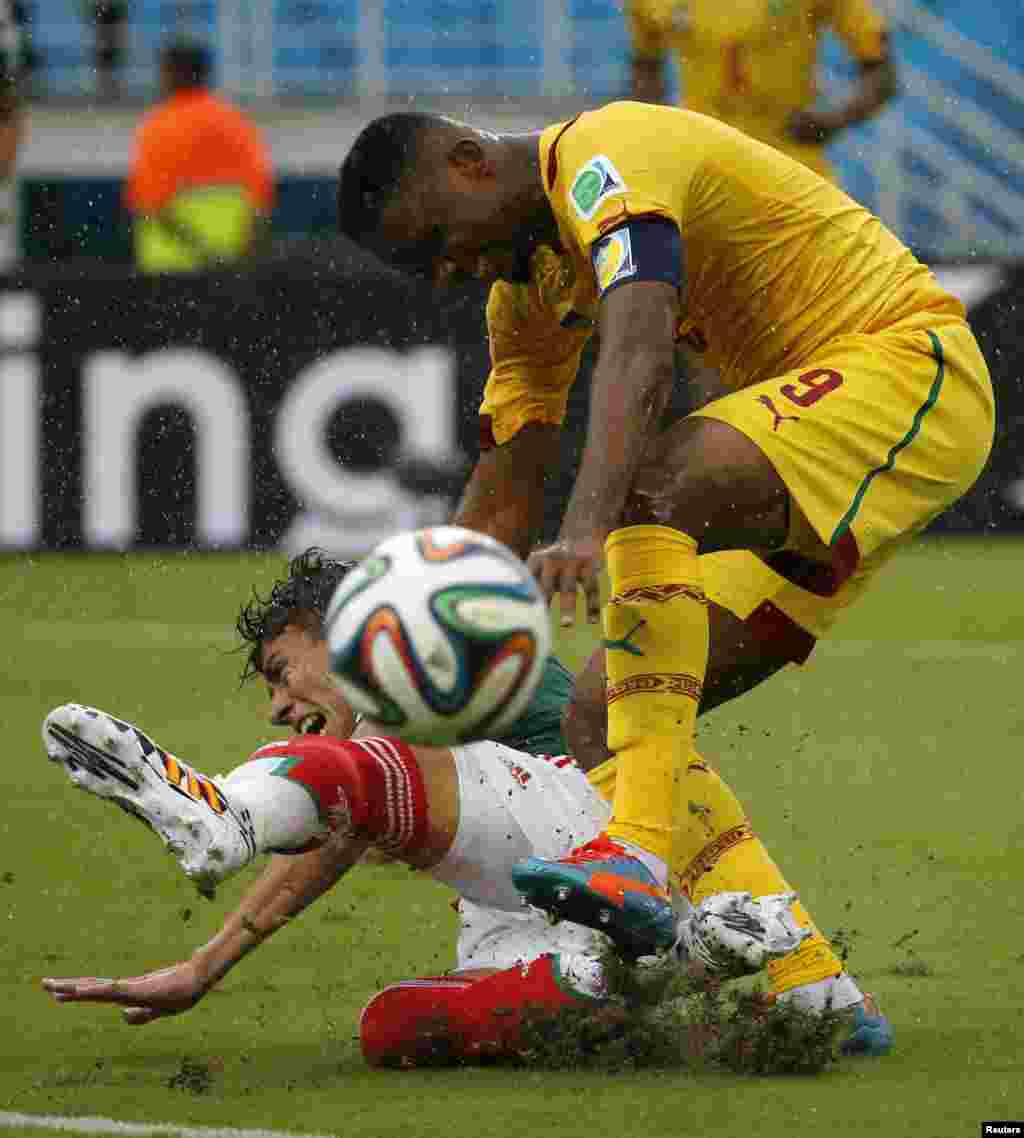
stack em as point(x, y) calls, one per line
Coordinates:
point(710, 481)
point(677, 468)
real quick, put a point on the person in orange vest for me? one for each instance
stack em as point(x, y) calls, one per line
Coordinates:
point(200, 187)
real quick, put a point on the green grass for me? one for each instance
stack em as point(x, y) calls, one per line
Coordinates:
point(885, 777)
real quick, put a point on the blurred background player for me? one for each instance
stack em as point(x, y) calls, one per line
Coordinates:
point(752, 64)
point(200, 187)
point(12, 127)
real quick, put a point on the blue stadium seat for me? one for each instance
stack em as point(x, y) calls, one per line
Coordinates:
point(599, 55)
point(315, 47)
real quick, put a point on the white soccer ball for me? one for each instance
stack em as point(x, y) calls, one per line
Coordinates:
point(439, 635)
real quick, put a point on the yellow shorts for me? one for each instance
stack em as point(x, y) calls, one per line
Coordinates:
point(874, 438)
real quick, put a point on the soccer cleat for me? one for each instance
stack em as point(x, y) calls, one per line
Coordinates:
point(872, 1032)
point(734, 934)
point(112, 759)
point(601, 886)
point(867, 1031)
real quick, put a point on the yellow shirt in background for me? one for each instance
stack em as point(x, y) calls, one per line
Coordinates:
point(752, 63)
point(778, 261)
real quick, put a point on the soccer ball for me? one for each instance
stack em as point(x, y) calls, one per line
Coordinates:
point(440, 636)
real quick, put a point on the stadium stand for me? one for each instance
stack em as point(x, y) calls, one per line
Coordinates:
point(941, 165)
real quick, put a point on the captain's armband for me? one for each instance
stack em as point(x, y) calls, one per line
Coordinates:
point(645, 249)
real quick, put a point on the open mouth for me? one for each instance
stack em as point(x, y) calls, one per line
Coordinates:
point(311, 724)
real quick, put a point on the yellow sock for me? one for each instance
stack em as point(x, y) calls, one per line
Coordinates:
point(656, 636)
point(717, 852)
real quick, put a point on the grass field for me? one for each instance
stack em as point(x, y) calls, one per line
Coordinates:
point(886, 777)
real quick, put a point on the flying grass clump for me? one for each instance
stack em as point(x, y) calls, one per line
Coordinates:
point(910, 965)
point(193, 1075)
point(660, 1018)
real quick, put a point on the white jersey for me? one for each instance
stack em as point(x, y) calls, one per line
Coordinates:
point(514, 805)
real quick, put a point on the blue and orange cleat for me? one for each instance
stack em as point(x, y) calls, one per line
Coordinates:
point(871, 1032)
point(601, 886)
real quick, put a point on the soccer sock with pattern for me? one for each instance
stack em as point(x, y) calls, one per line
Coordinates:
point(717, 851)
point(656, 639)
point(371, 789)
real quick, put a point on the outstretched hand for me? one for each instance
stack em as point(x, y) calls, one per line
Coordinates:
point(165, 992)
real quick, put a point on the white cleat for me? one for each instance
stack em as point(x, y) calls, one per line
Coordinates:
point(734, 934)
point(112, 759)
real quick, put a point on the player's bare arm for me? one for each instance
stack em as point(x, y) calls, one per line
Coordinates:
point(504, 497)
point(288, 886)
point(629, 389)
point(877, 84)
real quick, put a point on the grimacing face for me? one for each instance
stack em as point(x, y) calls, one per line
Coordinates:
point(302, 695)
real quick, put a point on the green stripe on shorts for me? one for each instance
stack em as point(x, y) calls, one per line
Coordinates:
point(908, 438)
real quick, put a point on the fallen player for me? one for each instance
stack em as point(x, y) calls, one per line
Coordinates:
point(331, 799)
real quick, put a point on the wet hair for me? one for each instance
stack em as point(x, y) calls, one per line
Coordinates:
point(189, 61)
point(373, 170)
point(300, 598)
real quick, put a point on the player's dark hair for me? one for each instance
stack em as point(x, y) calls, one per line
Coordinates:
point(373, 169)
point(189, 62)
point(300, 598)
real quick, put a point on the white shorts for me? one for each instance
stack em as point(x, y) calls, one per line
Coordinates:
point(514, 805)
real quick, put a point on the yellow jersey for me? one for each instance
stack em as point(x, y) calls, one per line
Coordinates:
point(751, 63)
point(778, 261)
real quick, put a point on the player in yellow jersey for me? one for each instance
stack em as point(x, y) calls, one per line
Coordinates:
point(752, 64)
point(860, 407)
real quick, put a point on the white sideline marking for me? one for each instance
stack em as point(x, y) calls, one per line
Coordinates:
point(74, 1125)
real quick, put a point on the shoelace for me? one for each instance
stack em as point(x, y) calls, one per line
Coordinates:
point(597, 849)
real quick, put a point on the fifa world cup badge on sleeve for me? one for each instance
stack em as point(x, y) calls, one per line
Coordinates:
point(595, 181)
point(613, 261)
